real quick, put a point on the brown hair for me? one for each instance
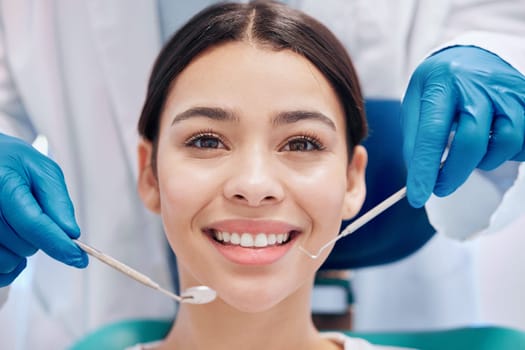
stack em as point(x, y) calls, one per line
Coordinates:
point(268, 23)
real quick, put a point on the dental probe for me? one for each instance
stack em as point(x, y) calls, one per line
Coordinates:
point(193, 295)
point(366, 217)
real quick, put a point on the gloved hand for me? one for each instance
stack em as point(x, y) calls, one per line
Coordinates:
point(477, 97)
point(35, 210)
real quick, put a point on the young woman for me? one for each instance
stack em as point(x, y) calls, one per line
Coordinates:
point(250, 149)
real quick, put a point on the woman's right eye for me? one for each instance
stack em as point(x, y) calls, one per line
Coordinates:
point(208, 141)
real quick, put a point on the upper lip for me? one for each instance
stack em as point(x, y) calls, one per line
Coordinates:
point(252, 226)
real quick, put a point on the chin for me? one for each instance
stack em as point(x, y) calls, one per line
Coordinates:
point(253, 300)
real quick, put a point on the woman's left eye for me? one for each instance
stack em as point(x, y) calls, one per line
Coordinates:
point(303, 144)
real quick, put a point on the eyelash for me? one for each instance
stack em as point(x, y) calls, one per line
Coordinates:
point(191, 142)
point(308, 137)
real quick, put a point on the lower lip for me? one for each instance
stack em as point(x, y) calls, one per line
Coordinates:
point(253, 256)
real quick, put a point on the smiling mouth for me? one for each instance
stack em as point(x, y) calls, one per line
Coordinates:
point(251, 240)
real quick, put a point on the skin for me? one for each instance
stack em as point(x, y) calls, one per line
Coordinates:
point(253, 169)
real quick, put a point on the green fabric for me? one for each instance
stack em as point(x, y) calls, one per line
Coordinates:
point(478, 338)
point(120, 335)
point(123, 334)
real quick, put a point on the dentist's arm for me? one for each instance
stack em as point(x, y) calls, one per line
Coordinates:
point(476, 95)
point(35, 210)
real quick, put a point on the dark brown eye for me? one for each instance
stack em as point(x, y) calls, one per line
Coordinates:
point(205, 141)
point(303, 144)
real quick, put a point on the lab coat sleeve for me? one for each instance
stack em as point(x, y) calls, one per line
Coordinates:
point(499, 27)
point(14, 120)
point(13, 117)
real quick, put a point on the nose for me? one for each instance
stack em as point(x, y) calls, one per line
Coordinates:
point(254, 181)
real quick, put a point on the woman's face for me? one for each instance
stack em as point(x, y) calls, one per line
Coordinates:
point(252, 163)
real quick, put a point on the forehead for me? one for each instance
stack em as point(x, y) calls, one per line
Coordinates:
point(238, 75)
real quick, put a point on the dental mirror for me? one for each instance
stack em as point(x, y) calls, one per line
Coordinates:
point(192, 295)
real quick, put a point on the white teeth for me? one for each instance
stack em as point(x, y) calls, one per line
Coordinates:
point(261, 240)
point(249, 240)
point(246, 240)
point(235, 238)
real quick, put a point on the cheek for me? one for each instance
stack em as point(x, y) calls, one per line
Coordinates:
point(321, 195)
point(185, 191)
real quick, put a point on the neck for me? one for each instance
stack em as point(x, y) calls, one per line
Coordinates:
point(287, 325)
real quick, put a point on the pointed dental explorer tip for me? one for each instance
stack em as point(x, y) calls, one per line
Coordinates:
point(193, 295)
point(363, 219)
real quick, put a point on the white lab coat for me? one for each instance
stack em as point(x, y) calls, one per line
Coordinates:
point(75, 71)
point(437, 286)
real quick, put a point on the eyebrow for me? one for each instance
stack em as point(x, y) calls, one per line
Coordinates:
point(282, 118)
point(214, 113)
point(289, 117)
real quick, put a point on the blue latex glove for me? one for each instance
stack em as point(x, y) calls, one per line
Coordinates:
point(35, 210)
point(476, 95)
